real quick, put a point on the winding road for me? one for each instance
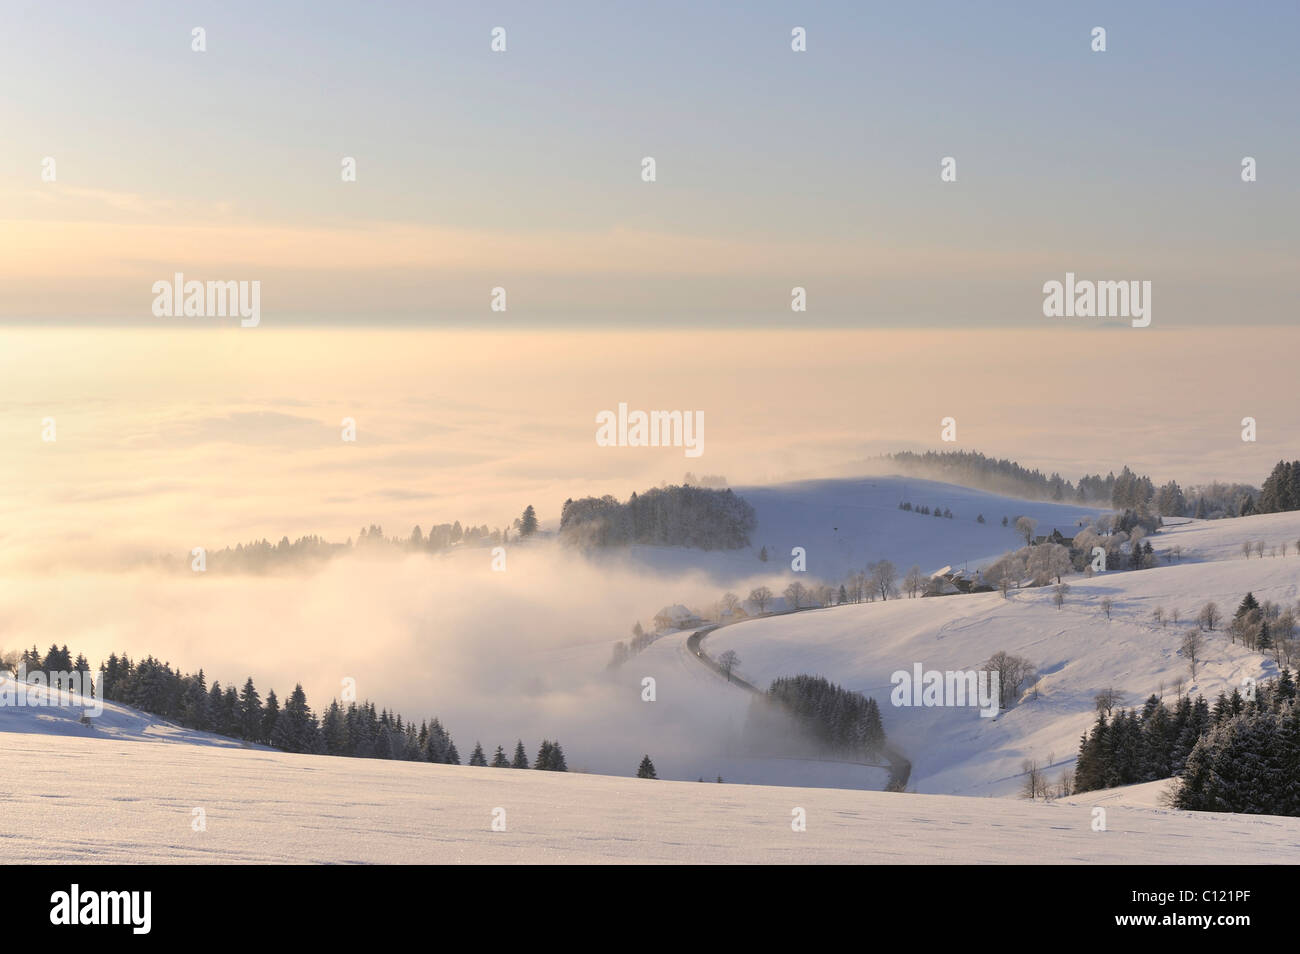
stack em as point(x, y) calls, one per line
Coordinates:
point(900, 768)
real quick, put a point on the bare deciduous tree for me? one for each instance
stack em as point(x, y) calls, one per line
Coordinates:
point(728, 662)
point(1107, 604)
point(1013, 672)
point(795, 595)
point(914, 581)
point(760, 596)
point(1191, 649)
point(883, 576)
point(1065, 785)
point(1035, 783)
point(1059, 593)
point(1209, 616)
point(1107, 700)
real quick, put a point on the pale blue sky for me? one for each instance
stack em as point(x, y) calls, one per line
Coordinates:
point(1123, 164)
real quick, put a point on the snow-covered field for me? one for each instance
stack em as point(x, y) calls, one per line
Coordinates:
point(1077, 651)
point(91, 800)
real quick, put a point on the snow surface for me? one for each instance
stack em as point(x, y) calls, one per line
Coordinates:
point(845, 523)
point(1076, 650)
point(100, 801)
point(46, 711)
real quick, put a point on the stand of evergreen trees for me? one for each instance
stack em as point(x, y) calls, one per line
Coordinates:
point(700, 517)
point(1281, 491)
point(1242, 755)
point(261, 555)
point(357, 730)
point(1126, 490)
point(837, 720)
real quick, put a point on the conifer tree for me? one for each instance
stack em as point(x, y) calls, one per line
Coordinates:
point(543, 760)
point(521, 758)
point(250, 712)
point(647, 769)
point(270, 713)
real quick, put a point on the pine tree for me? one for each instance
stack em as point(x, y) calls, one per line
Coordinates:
point(250, 712)
point(499, 759)
point(521, 758)
point(384, 743)
point(1247, 606)
point(334, 730)
point(543, 760)
point(296, 729)
point(647, 769)
point(270, 713)
point(477, 757)
point(194, 706)
point(1264, 641)
point(215, 706)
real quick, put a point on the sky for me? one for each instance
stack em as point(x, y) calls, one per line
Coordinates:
point(522, 169)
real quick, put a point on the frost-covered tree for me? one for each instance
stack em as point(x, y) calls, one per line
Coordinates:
point(914, 582)
point(883, 577)
point(1191, 650)
point(1013, 672)
point(1059, 592)
point(728, 662)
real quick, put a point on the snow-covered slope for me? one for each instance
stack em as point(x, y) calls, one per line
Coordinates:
point(1077, 651)
point(86, 801)
point(844, 524)
point(40, 710)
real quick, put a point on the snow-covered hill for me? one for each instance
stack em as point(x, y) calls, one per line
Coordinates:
point(39, 710)
point(1076, 649)
point(89, 801)
point(844, 524)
